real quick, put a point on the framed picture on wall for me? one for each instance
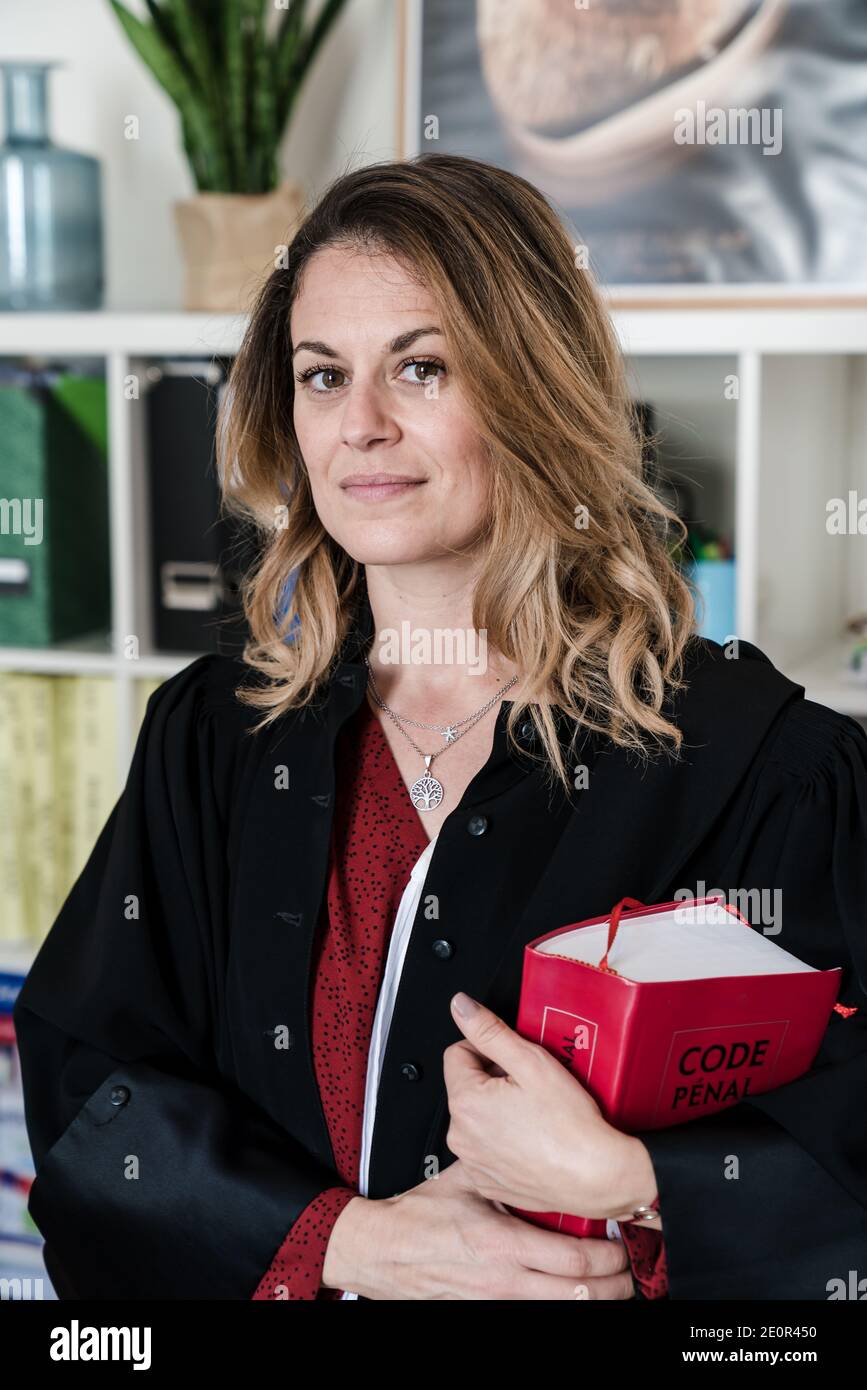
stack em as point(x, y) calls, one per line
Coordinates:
point(699, 149)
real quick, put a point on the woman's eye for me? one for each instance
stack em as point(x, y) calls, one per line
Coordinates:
point(423, 370)
point(329, 372)
point(430, 368)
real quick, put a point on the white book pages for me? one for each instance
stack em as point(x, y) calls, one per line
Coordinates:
point(696, 941)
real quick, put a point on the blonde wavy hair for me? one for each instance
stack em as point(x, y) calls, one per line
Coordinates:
point(578, 583)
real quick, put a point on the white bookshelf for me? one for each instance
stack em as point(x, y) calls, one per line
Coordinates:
point(767, 461)
point(795, 437)
point(125, 342)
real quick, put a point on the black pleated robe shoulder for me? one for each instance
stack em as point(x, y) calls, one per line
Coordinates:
point(164, 1027)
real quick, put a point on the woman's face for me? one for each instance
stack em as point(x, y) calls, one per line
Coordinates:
point(396, 468)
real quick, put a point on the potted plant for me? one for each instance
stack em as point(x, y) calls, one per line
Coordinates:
point(234, 78)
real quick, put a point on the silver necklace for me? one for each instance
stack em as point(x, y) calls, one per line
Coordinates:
point(427, 791)
point(448, 731)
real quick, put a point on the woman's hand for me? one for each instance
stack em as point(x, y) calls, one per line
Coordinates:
point(528, 1133)
point(441, 1240)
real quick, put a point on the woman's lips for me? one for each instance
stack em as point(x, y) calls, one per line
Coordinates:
point(377, 491)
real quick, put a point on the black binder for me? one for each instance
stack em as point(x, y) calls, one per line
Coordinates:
point(197, 556)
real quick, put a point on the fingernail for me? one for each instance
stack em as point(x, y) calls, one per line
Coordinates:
point(464, 1005)
point(581, 1291)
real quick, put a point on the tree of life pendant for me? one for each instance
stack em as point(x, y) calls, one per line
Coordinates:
point(427, 792)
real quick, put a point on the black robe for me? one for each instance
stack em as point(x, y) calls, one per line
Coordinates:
point(175, 1144)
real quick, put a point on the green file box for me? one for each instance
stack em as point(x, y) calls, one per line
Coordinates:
point(54, 586)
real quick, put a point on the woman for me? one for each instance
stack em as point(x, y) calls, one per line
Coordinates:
point(253, 1066)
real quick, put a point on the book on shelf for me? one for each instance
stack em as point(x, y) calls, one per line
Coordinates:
point(59, 781)
point(21, 1263)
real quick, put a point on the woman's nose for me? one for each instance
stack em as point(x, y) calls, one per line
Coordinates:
point(366, 417)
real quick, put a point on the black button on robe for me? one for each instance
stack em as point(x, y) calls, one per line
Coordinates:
point(175, 979)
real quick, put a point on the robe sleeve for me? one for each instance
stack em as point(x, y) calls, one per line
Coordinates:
point(768, 1199)
point(156, 1176)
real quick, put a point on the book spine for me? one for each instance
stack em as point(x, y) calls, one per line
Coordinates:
point(65, 774)
point(22, 791)
point(44, 838)
point(13, 914)
point(585, 1020)
point(96, 790)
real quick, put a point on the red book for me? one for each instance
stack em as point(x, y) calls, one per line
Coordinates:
point(670, 1013)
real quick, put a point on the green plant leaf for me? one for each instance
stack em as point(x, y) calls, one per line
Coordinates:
point(288, 40)
point(202, 60)
point(193, 46)
point(164, 65)
point(316, 35)
point(233, 84)
point(209, 14)
point(162, 23)
point(261, 123)
point(233, 77)
point(300, 63)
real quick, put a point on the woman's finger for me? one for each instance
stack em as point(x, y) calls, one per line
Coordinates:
point(488, 1034)
point(610, 1287)
point(581, 1257)
point(533, 1285)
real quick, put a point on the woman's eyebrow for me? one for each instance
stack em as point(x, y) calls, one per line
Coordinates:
point(398, 344)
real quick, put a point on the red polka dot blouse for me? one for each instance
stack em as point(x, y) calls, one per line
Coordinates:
point(377, 836)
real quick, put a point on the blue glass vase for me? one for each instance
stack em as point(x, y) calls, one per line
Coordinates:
point(50, 205)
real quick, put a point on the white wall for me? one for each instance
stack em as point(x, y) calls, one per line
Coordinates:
point(345, 117)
